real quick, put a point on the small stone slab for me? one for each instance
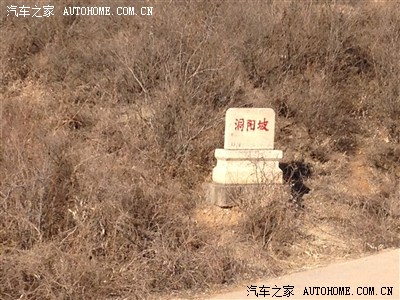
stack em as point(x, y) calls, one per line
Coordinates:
point(227, 196)
point(224, 196)
point(249, 128)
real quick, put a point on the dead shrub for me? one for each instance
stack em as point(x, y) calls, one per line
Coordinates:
point(379, 222)
point(386, 158)
point(371, 219)
point(269, 218)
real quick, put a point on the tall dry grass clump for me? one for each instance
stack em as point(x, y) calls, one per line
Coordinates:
point(108, 126)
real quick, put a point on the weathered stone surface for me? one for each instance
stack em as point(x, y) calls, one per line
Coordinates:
point(248, 159)
point(247, 167)
point(223, 195)
point(229, 195)
point(249, 128)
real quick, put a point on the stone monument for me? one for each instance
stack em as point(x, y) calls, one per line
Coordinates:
point(248, 158)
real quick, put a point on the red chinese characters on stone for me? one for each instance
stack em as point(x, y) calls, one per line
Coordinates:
point(262, 125)
point(251, 125)
point(239, 124)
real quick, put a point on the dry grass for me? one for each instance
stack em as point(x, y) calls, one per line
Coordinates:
point(108, 127)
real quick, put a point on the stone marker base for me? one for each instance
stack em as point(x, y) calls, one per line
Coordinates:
point(247, 167)
point(229, 195)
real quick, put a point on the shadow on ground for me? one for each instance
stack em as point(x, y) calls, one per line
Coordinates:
point(294, 174)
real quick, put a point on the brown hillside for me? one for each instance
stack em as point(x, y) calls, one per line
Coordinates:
point(109, 125)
